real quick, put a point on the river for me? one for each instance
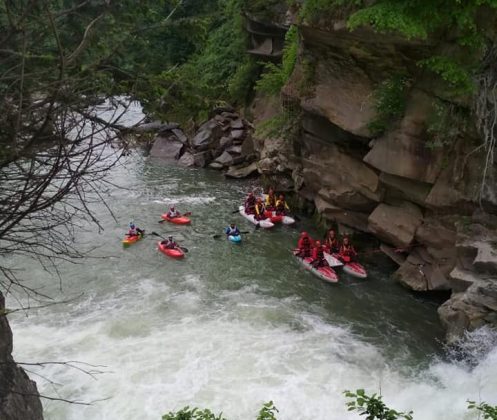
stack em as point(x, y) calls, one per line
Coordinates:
point(230, 327)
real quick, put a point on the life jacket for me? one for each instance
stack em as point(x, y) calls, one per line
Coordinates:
point(333, 245)
point(232, 231)
point(318, 253)
point(172, 214)
point(170, 244)
point(132, 232)
point(270, 201)
point(281, 206)
point(301, 243)
point(260, 209)
point(347, 250)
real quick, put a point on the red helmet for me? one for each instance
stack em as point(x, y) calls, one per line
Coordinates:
point(302, 234)
point(318, 243)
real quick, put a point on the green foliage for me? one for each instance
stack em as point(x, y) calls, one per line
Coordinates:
point(489, 412)
point(275, 76)
point(268, 412)
point(373, 407)
point(390, 102)
point(218, 72)
point(458, 77)
point(314, 10)
point(192, 414)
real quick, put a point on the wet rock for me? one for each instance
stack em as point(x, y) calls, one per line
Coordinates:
point(216, 165)
point(187, 160)
point(180, 135)
point(201, 159)
point(225, 142)
point(237, 134)
point(395, 225)
point(207, 136)
point(166, 148)
point(225, 159)
point(241, 172)
point(397, 257)
point(19, 398)
point(237, 124)
point(234, 150)
point(356, 220)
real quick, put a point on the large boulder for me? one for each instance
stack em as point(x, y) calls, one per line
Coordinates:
point(404, 151)
point(207, 136)
point(353, 219)
point(187, 160)
point(395, 225)
point(166, 148)
point(225, 159)
point(397, 187)
point(241, 172)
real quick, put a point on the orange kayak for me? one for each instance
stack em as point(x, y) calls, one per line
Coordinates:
point(181, 220)
point(129, 240)
point(171, 252)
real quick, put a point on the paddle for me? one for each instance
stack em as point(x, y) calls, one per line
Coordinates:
point(159, 236)
point(188, 213)
point(235, 211)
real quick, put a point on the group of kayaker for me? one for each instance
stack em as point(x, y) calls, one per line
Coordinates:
point(260, 207)
point(308, 248)
point(265, 210)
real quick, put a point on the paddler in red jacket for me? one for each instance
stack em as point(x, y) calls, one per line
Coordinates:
point(318, 259)
point(331, 242)
point(250, 203)
point(304, 245)
point(347, 252)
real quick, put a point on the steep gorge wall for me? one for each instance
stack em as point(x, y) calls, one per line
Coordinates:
point(421, 199)
point(19, 398)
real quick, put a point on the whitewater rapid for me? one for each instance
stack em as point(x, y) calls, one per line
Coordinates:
point(231, 327)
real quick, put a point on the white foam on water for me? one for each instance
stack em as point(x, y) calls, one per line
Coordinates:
point(169, 345)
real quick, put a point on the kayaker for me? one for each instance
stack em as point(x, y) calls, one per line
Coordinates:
point(347, 252)
point(134, 231)
point(318, 259)
point(169, 243)
point(250, 203)
point(260, 210)
point(304, 245)
point(331, 242)
point(281, 206)
point(172, 213)
point(232, 230)
point(270, 200)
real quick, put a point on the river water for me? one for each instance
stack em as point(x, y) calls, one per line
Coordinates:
point(230, 327)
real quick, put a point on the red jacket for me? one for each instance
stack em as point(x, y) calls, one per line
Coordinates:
point(347, 251)
point(300, 244)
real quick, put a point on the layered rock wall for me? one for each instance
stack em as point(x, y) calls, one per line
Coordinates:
point(416, 198)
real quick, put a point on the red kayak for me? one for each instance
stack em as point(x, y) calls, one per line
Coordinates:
point(171, 252)
point(353, 268)
point(129, 240)
point(181, 220)
point(325, 273)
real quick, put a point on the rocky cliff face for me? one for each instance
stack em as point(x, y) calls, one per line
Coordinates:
point(19, 398)
point(414, 197)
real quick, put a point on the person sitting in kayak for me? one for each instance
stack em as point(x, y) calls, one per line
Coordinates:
point(173, 213)
point(318, 259)
point(331, 242)
point(270, 200)
point(232, 230)
point(169, 243)
point(281, 206)
point(260, 210)
point(347, 252)
point(304, 245)
point(134, 231)
point(250, 203)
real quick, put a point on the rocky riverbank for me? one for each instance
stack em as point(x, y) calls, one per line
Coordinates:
point(19, 398)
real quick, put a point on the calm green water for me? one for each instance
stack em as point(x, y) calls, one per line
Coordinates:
point(231, 326)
